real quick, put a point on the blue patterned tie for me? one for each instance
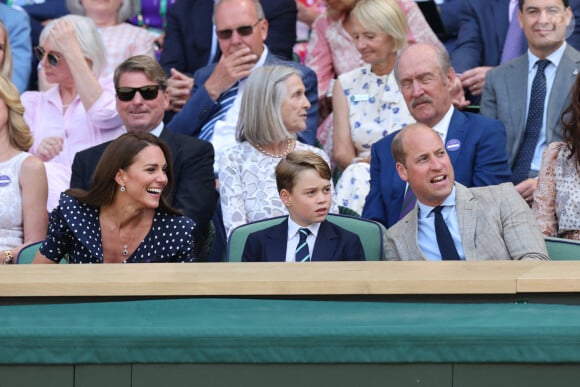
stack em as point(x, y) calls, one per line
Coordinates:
point(521, 167)
point(408, 202)
point(302, 253)
point(515, 42)
point(226, 101)
point(444, 239)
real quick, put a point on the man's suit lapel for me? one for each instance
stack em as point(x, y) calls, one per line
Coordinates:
point(276, 241)
point(517, 81)
point(565, 77)
point(326, 243)
point(410, 247)
point(456, 131)
point(467, 219)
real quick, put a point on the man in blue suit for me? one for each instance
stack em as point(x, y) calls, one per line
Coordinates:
point(475, 144)
point(190, 42)
point(212, 110)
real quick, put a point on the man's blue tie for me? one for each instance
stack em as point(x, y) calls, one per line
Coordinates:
point(302, 253)
point(444, 239)
point(225, 101)
point(408, 202)
point(521, 167)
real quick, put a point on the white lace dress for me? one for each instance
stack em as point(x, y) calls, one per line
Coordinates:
point(248, 189)
point(376, 108)
point(11, 232)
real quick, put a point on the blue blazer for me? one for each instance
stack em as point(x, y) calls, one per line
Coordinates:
point(188, 36)
point(479, 160)
point(200, 107)
point(333, 243)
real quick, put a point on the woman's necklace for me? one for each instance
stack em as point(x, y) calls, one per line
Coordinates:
point(284, 154)
point(125, 252)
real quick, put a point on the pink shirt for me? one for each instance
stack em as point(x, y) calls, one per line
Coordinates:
point(79, 129)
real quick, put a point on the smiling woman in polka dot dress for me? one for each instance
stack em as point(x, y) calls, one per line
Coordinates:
point(125, 216)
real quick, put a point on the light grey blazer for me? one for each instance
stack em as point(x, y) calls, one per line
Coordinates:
point(494, 221)
point(505, 95)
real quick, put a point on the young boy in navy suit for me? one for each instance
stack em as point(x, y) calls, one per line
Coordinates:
point(303, 180)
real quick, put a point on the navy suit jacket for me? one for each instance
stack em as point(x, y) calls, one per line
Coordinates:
point(482, 31)
point(188, 36)
point(194, 184)
point(479, 160)
point(200, 107)
point(333, 243)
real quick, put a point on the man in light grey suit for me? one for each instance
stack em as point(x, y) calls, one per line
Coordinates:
point(484, 223)
point(507, 93)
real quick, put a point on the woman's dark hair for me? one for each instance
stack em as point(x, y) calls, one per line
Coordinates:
point(120, 155)
point(571, 123)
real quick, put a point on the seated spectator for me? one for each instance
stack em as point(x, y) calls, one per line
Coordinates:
point(23, 186)
point(303, 179)
point(211, 113)
point(476, 144)
point(79, 111)
point(141, 101)
point(451, 221)
point(272, 112)
point(490, 34)
point(332, 51)
point(367, 102)
point(122, 40)
point(16, 30)
point(529, 93)
point(125, 216)
point(557, 198)
point(191, 42)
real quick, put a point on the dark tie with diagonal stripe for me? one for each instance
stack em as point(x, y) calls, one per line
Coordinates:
point(522, 164)
point(302, 253)
point(225, 103)
point(408, 202)
point(444, 238)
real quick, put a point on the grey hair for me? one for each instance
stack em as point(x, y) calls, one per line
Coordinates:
point(383, 16)
point(260, 120)
point(90, 40)
point(257, 6)
point(440, 53)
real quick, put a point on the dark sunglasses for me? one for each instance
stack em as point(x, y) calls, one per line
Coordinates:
point(128, 93)
point(242, 31)
point(52, 57)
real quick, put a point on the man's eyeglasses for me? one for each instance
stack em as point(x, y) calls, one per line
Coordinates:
point(128, 93)
point(52, 57)
point(242, 31)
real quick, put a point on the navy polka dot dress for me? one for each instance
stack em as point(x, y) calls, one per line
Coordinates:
point(74, 229)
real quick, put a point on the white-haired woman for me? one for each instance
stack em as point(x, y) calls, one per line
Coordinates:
point(273, 109)
point(79, 110)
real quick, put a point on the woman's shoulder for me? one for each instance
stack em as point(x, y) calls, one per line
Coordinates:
point(174, 221)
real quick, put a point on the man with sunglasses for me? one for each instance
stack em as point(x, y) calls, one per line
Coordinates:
point(140, 84)
point(211, 112)
point(190, 42)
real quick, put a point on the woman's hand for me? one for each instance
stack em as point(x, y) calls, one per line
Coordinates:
point(64, 40)
point(49, 148)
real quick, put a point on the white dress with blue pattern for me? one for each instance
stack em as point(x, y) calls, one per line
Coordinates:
point(376, 109)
